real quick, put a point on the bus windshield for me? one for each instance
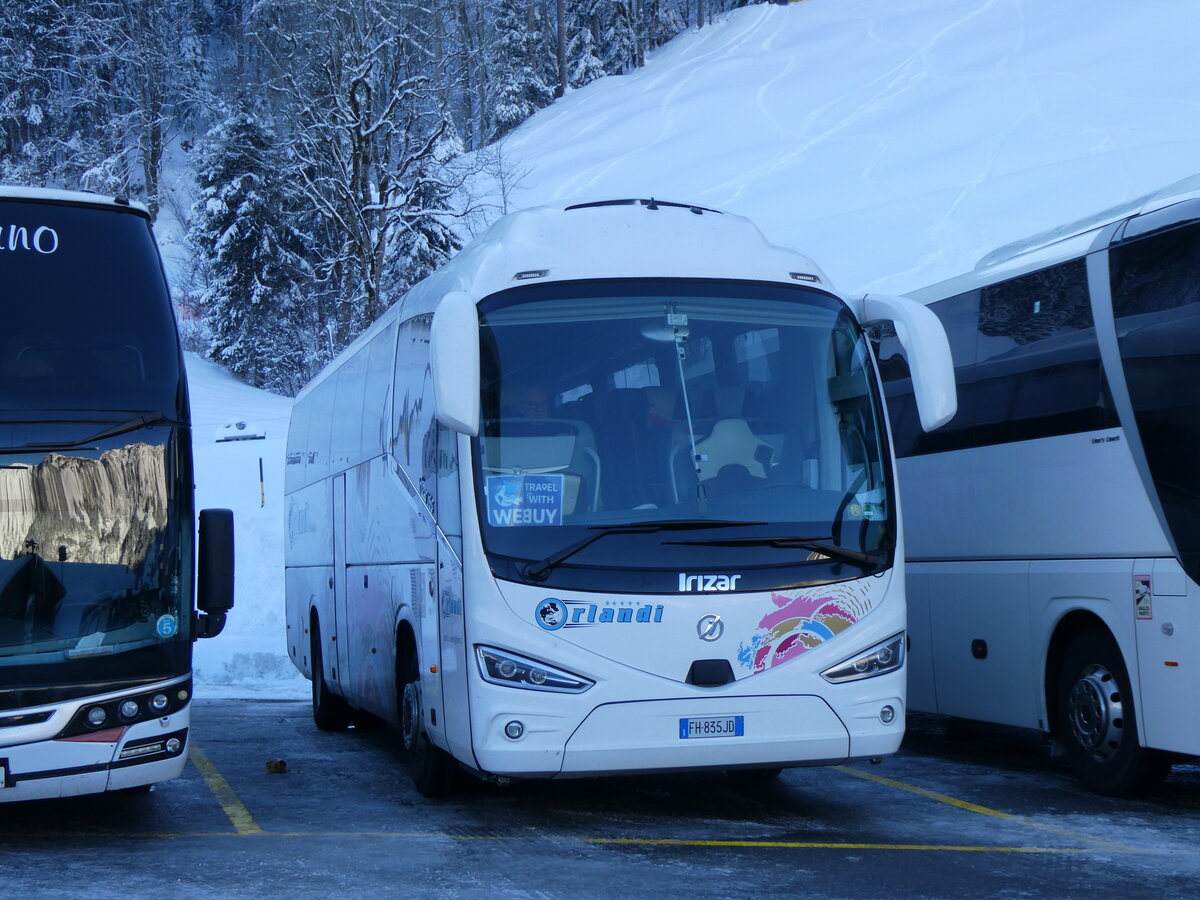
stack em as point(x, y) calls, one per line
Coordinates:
point(692, 425)
point(91, 560)
point(87, 320)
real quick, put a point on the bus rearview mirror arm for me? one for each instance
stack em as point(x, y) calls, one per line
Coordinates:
point(454, 358)
point(928, 352)
point(214, 582)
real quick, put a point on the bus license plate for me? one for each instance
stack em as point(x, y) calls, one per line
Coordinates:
point(712, 727)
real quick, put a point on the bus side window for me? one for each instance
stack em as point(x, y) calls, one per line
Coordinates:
point(449, 505)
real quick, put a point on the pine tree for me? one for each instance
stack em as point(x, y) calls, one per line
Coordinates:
point(518, 69)
point(424, 242)
point(251, 256)
point(584, 64)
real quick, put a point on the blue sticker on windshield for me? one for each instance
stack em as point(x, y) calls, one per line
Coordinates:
point(524, 500)
point(166, 626)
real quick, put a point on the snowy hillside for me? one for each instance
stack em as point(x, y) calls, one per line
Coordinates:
point(896, 143)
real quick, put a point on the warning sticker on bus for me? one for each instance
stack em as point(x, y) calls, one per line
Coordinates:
point(524, 500)
point(1141, 597)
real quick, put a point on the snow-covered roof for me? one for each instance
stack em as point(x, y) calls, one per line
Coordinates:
point(612, 239)
point(1056, 245)
point(10, 192)
point(602, 239)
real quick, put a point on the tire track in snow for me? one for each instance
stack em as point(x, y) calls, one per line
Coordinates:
point(667, 107)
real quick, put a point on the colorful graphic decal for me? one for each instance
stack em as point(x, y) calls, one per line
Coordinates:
point(802, 620)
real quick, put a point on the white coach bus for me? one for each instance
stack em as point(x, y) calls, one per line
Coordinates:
point(1053, 540)
point(611, 492)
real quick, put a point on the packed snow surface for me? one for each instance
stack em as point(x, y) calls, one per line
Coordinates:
point(895, 143)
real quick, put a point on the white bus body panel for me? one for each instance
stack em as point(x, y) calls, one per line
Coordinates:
point(1064, 510)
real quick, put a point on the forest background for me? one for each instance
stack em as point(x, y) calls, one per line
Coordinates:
point(334, 152)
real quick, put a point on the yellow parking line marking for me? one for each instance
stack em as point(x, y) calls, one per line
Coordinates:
point(831, 845)
point(601, 841)
point(1112, 846)
point(242, 821)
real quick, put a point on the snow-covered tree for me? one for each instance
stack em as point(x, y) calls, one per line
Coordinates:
point(584, 64)
point(519, 86)
point(251, 256)
point(424, 240)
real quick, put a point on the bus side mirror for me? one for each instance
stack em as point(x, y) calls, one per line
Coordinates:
point(928, 353)
point(454, 357)
point(214, 583)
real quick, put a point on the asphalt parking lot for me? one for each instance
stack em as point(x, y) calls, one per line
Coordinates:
point(961, 811)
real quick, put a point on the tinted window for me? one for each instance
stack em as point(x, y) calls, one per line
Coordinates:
point(87, 320)
point(721, 402)
point(1156, 300)
point(1025, 360)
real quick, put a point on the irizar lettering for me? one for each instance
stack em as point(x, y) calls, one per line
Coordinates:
point(707, 582)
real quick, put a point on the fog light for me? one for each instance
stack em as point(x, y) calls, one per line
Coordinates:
point(513, 730)
point(173, 745)
point(129, 709)
point(887, 715)
point(182, 695)
point(159, 702)
point(141, 750)
point(96, 716)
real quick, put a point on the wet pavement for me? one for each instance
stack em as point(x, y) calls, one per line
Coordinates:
point(961, 811)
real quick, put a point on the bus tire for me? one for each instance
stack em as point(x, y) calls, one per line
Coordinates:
point(1097, 723)
point(330, 712)
point(432, 769)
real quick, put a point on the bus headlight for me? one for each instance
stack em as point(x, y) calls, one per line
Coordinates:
point(512, 670)
point(885, 657)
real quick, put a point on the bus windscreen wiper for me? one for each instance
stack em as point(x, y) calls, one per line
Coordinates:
point(145, 420)
point(538, 570)
point(822, 545)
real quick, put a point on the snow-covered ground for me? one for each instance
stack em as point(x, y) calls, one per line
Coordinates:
point(249, 658)
point(895, 143)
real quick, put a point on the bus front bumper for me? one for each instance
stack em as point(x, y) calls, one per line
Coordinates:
point(653, 735)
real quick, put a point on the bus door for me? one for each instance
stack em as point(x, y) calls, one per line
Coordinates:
point(1166, 660)
point(341, 675)
point(454, 656)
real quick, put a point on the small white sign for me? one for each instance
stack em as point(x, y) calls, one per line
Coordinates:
point(1141, 597)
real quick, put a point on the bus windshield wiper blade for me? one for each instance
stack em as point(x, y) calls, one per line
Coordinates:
point(145, 420)
point(872, 558)
point(538, 570)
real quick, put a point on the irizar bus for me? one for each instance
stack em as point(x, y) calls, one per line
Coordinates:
point(611, 492)
point(96, 505)
point(1053, 526)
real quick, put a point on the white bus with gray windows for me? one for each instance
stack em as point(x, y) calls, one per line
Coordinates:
point(1053, 541)
point(611, 492)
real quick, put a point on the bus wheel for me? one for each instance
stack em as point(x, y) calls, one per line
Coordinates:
point(432, 768)
point(330, 712)
point(1096, 720)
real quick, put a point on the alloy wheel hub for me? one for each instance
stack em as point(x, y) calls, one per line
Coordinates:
point(1096, 713)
